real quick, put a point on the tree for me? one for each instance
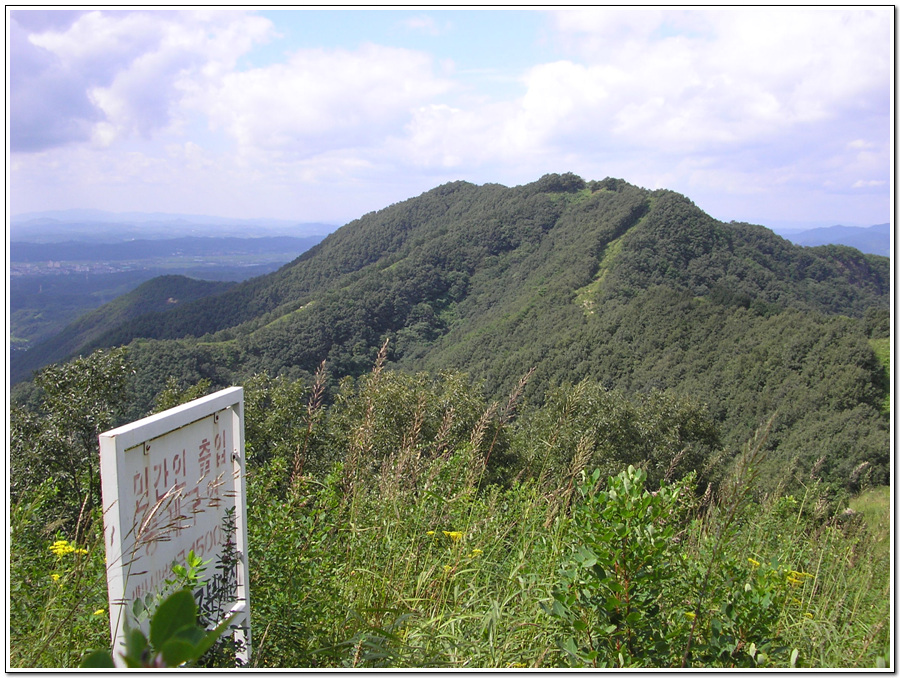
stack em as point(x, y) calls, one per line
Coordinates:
point(81, 399)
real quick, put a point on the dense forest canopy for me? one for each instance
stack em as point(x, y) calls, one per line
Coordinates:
point(632, 289)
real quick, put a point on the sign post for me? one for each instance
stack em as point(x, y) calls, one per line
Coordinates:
point(174, 483)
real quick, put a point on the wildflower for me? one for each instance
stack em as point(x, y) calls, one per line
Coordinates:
point(55, 577)
point(754, 563)
point(99, 612)
point(62, 547)
point(794, 581)
point(455, 536)
point(447, 569)
point(808, 614)
point(430, 533)
point(476, 552)
point(82, 552)
point(690, 615)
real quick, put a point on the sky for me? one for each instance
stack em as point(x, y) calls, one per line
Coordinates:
point(781, 117)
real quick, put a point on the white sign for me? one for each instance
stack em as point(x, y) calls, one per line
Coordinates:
point(170, 481)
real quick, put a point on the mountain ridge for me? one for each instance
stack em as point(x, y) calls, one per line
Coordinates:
point(871, 240)
point(600, 280)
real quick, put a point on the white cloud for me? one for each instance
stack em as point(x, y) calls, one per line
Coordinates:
point(695, 80)
point(320, 100)
point(717, 104)
point(133, 66)
point(424, 24)
point(868, 184)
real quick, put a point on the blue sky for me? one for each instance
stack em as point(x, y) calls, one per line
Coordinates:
point(772, 116)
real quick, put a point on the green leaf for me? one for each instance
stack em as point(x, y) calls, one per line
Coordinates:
point(212, 636)
point(176, 651)
point(175, 612)
point(794, 654)
point(585, 557)
point(191, 634)
point(98, 659)
point(135, 645)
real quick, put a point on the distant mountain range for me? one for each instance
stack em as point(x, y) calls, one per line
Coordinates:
point(871, 240)
point(191, 246)
point(89, 225)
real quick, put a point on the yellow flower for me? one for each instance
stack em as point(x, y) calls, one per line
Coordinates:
point(430, 533)
point(690, 615)
point(455, 536)
point(794, 581)
point(55, 577)
point(808, 614)
point(99, 612)
point(81, 551)
point(754, 563)
point(476, 552)
point(61, 547)
point(447, 568)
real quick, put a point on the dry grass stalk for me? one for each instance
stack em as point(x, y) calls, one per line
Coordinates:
point(734, 495)
point(312, 408)
point(580, 459)
point(508, 412)
point(361, 444)
point(401, 469)
point(854, 475)
point(477, 436)
point(673, 464)
point(814, 473)
point(443, 434)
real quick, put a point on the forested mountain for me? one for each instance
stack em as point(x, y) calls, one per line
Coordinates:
point(152, 297)
point(639, 290)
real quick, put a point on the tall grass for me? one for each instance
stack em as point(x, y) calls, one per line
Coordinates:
point(418, 548)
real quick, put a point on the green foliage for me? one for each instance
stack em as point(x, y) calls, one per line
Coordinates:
point(588, 426)
point(154, 296)
point(612, 592)
point(637, 290)
point(175, 638)
point(400, 544)
point(174, 395)
point(78, 401)
point(57, 583)
point(419, 516)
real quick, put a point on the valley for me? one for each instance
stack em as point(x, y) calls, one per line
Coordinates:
point(51, 284)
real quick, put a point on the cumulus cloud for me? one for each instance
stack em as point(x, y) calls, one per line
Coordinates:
point(739, 102)
point(107, 75)
point(48, 103)
point(695, 80)
point(320, 100)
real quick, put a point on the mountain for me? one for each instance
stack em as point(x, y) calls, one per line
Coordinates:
point(146, 249)
point(154, 296)
point(105, 227)
point(638, 290)
point(872, 240)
